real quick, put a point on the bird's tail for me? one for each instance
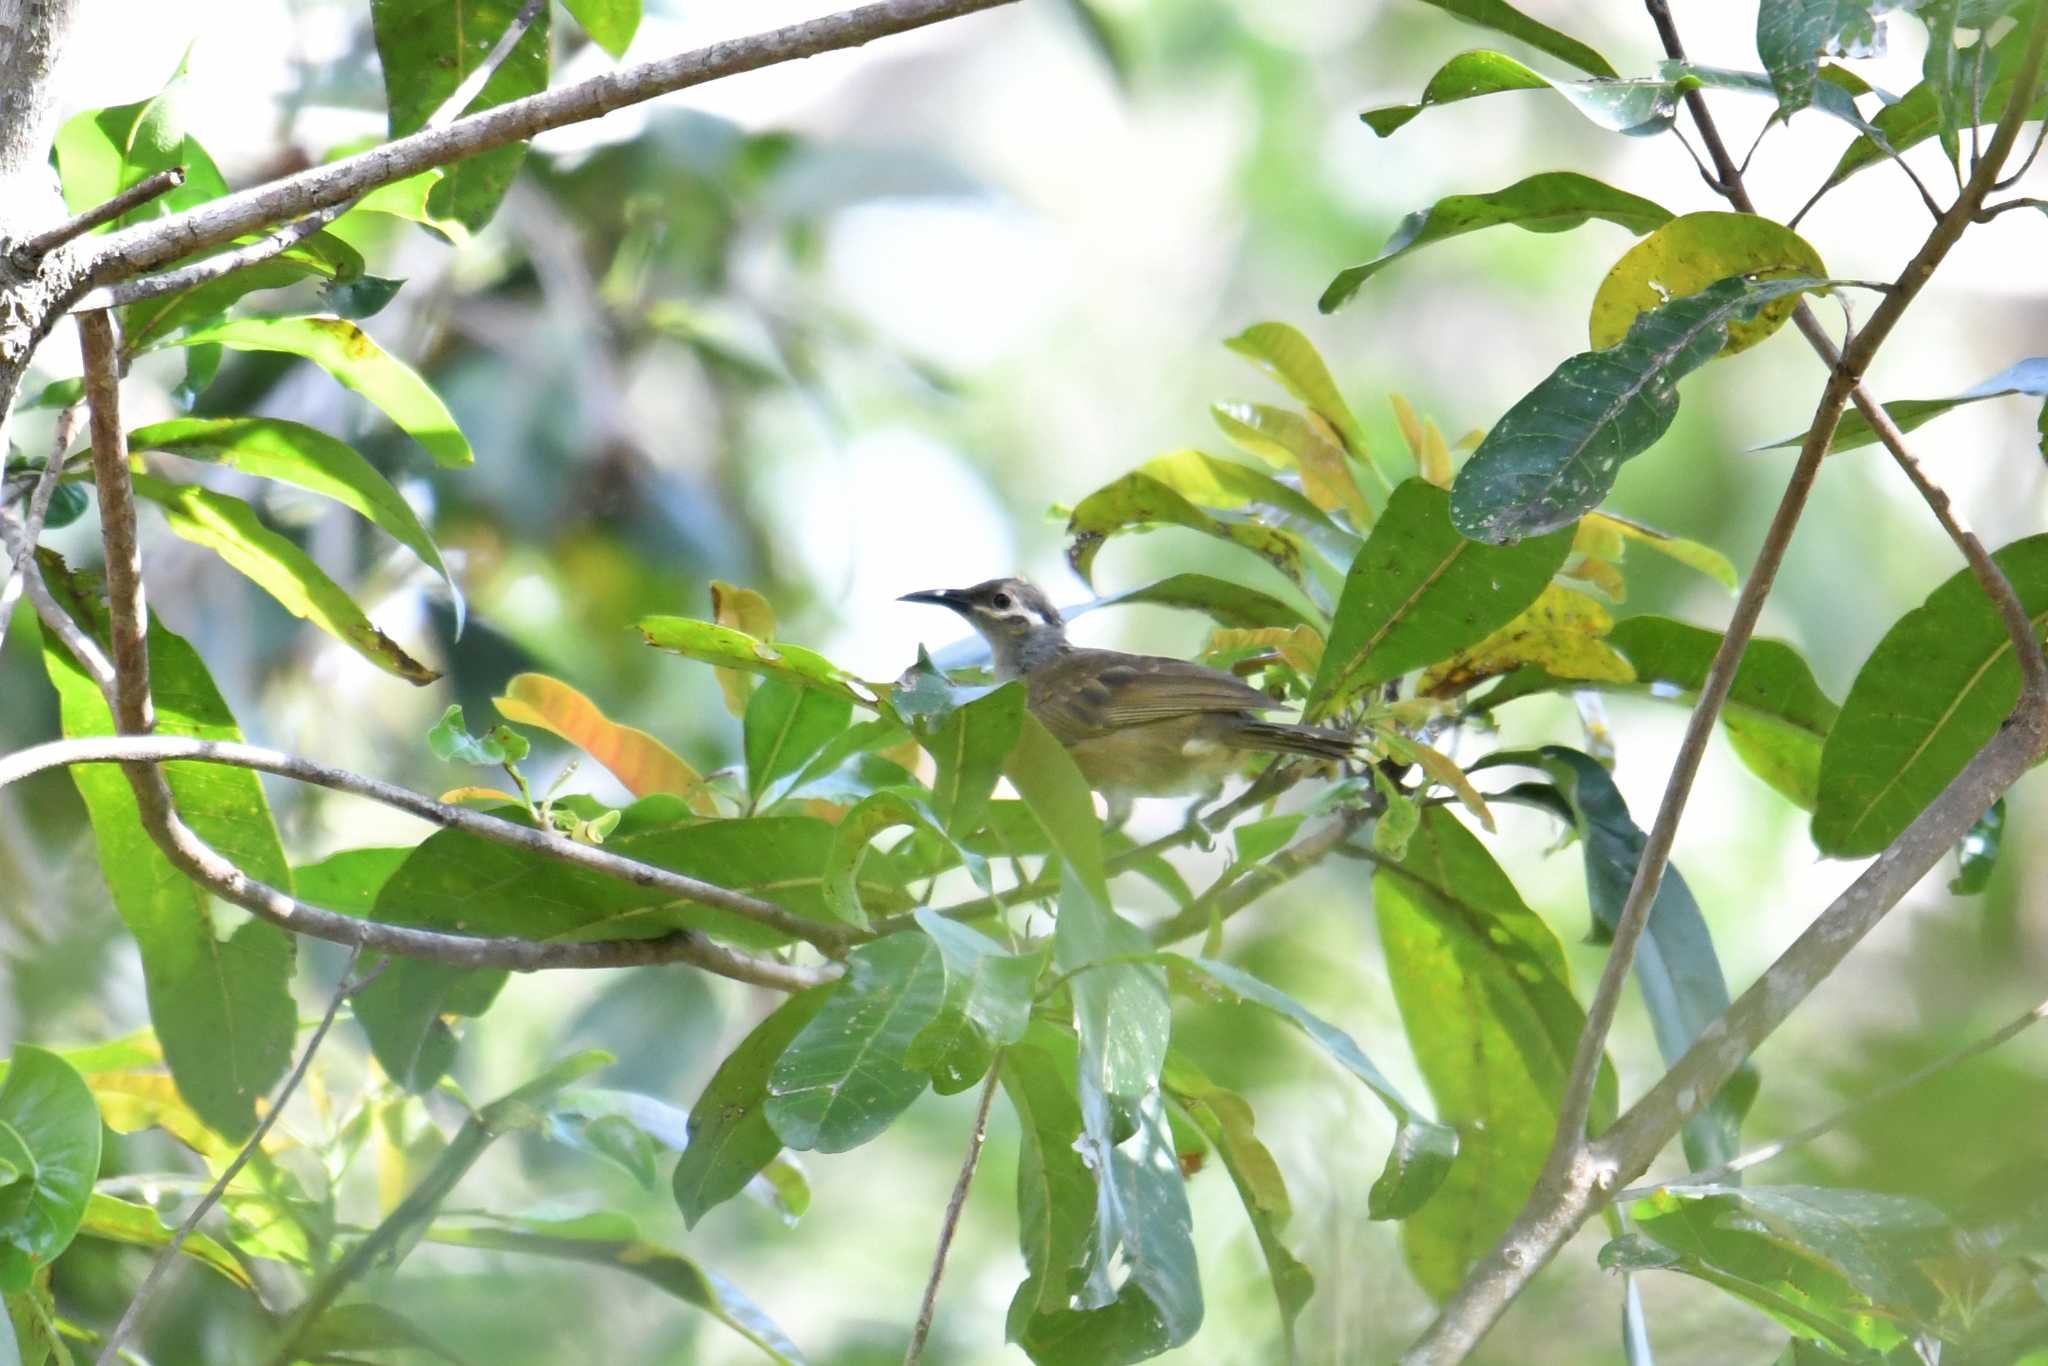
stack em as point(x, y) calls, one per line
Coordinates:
point(1315, 742)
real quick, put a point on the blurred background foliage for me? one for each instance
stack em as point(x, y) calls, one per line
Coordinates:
point(850, 328)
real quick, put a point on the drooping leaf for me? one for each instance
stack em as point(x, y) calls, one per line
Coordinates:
point(1055, 1188)
point(1638, 107)
point(1553, 201)
point(1562, 632)
point(1225, 1119)
point(1555, 453)
point(729, 648)
point(148, 325)
point(306, 458)
point(968, 750)
point(1692, 252)
point(843, 1080)
point(1692, 554)
point(1933, 693)
point(1486, 997)
point(639, 761)
point(427, 48)
point(50, 1156)
point(1791, 36)
point(2028, 377)
point(221, 1004)
point(1776, 716)
point(273, 562)
point(346, 352)
point(610, 23)
point(1505, 18)
point(730, 1137)
point(611, 1239)
point(987, 1004)
point(1227, 603)
point(1418, 592)
point(1291, 358)
point(1423, 1149)
point(1675, 963)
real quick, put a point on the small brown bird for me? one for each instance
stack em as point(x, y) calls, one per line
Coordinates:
point(1137, 725)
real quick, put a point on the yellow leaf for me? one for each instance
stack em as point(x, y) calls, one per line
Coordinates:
point(1411, 426)
point(644, 764)
point(458, 796)
point(1599, 538)
point(1436, 456)
point(1326, 475)
point(1440, 769)
point(1560, 632)
point(745, 610)
point(1604, 575)
point(1299, 647)
point(1691, 554)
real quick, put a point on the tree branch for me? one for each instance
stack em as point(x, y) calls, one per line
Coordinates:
point(1578, 1178)
point(161, 241)
point(110, 1353)
point(951, 1224)
point(141, 192)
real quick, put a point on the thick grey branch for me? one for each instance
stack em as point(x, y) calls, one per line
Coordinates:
point(164, 240)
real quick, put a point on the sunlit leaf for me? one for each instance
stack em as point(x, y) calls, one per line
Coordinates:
point(122, 1221)
point(1226, 602)
point(728, 648)
point(1791, 35)
point(744, 610)
point(1439, 768)
point(1290, 440)
point(1291, 358)
point(1553, 201)
point(1563, 633)
point(1140, 502)
point(1691, 554)
point(610, 23)
point(785, 727)
point(1638, 107)
point(639, 761)
point(730, 1137)
point(1555, 453)
point(1692, 252)
point(101, 152)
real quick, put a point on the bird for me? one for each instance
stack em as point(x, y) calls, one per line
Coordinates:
point(1136, 725)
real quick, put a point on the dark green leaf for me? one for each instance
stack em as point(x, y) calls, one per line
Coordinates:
point(1675, 963)
point(1055, 1189)
point(610, 23)
point(1227, 603)
point(427, 49)
point(869, 817)
point(1977, 855)
point(51, 1134)
point(1486, 997)
point(968, 750)
point(1776, 715)
point(2029, 377)
point(1917, 115)
point(844, 1080)
point(222, 1006)
point(273, 448)
point(1554, 455)
point(1933, 693)
point(364, 297)
point(613, 1240)
point(1791, 35)
point(346, 352)
point(1418, 592)
point(785, 728)
point(987, 1006)
point(1505, 18)
point(730, 1138)
point(1553, 201)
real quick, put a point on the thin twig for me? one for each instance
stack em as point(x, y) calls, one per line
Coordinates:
point(954, 1206)
point(1232, 893)
point(1756, 1157)
point(2040, 136)
point(1985, 215)
point(167, 1257)
point(473, 84)
point(147, 246)
point(30, 252)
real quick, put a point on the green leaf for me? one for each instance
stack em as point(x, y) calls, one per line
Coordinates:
point(1977, 855)
point(1291, 359)
point(1055, 1189)
point(230, 528)
point(101, 152)
point(1044, 775)
point(1554, 201)
point(145, 326)
point(869, 817)
point(1554, 455)
point(1505, 18)
point(273, 448)
point(1225, 1119)
point(1933, 693)
point(1419, 592)
point(1638, 107)
point(1675, 964)
point(613, 1240)
point(610, 23)
point(2029, 377)
point(1141, 502)
point(52, 1138)
point(427, 48)
point(1791, 35)
point(346, 352)
point(1917, 115)
point(1692, 252)
point(1486, 997)
point(1239, 491)
point(728, 648)
point(987, 1005)
point(1776, 716)
point(452, 743)
point(968, 751)
point(346, 1329)
point(785, 726)
point(1226, 603)
point(123, 1221)
point(730, 1137)
point(844, 1079)
point(221, 1003)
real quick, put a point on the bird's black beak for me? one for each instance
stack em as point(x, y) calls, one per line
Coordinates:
point(939, 597)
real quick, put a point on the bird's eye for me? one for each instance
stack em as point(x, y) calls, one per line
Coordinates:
point(1002, 602)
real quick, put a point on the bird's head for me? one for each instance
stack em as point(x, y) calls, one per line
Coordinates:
point(1019, 622)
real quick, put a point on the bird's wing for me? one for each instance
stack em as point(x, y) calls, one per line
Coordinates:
point(1130, 690)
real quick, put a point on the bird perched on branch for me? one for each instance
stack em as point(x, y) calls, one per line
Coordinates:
point(1136, 725)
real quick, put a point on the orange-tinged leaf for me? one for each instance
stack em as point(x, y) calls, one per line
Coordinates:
point(644, 764)
point(744, 610)
point(1561, 631)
